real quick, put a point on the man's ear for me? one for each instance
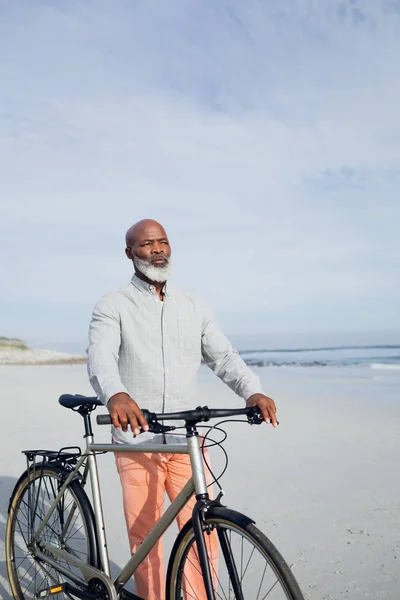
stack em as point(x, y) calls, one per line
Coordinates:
point(128, 253)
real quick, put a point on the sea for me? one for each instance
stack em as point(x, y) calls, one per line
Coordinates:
point(371, 356)
point(380, 357)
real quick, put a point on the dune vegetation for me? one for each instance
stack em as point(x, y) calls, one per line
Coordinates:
point(7, 343)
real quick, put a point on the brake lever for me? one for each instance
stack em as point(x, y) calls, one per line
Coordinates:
point(154, 425)
point(158, 428)
point(256, 417)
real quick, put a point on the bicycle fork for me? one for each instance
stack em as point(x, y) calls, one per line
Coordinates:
point(200, 528)
point(198, 521)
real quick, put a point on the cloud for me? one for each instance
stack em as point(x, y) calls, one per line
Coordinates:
point(264, 135)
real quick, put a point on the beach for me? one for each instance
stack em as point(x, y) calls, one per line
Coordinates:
point(323, 486)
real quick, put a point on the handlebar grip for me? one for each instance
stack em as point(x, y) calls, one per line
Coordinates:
point(106, 419)
point(103, 420)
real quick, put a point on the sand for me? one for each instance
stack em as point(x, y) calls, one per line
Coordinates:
point(324, 486)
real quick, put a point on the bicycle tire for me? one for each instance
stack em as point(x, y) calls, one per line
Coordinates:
point(268, 577)
point(70, 527)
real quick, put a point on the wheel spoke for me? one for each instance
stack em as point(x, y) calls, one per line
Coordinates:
point(270, 589)
point(261, 582)
point(21, 532)
point(248, 562)
point(191, 587)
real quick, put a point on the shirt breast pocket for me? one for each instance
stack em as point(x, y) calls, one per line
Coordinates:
point(189, 337)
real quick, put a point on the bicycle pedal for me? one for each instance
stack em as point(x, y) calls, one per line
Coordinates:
point(53, 590)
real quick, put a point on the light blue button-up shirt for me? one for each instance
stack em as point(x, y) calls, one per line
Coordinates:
point(152, 350)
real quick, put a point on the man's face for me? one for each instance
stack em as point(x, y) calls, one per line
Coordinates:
point(150, 252)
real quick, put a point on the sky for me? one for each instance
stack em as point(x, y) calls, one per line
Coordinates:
point(264, 136)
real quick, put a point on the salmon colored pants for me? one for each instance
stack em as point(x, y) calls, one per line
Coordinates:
point(144, 479)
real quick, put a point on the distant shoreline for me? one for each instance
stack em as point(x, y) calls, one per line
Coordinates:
point(63, 361)
point(16, 357)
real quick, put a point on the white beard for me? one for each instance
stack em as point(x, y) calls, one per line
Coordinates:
point(159, 273)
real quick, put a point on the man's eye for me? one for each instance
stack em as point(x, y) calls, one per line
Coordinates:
point(166, 243)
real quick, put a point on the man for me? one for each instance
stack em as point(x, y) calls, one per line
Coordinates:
point(146, 342)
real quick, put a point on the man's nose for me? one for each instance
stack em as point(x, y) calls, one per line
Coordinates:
point(158, 249)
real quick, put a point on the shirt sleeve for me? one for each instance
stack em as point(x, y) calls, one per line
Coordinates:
point(103, 351)
point(225, 361)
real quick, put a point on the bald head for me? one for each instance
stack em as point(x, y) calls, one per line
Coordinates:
point(148, 247)
point(142, 229)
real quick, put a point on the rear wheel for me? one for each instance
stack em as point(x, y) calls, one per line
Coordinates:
point(244, 564)
point(70, 528)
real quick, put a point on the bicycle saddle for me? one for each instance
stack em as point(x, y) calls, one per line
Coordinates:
point(75, 400)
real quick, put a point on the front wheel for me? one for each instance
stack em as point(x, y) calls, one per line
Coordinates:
point(244, 564)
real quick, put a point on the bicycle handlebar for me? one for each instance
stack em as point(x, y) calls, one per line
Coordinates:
point(198, 415)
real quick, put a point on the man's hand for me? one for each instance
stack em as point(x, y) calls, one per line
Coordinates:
point(266, 406)
point(124, 410)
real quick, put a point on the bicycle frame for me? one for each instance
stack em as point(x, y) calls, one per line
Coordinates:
point(196, 485)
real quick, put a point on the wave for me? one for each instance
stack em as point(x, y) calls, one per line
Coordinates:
point(323, 348)
point(319, 363)
point(385, 366)
point(292, 363)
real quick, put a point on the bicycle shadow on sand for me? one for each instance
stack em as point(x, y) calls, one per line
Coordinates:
point(7, 485)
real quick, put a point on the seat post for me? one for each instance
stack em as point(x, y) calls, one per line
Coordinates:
point(85, 411)
point(96, 494)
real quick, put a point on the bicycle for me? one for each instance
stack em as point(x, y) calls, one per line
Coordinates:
point(56, 539)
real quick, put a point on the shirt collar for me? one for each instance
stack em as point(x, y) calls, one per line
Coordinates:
point(144, 286)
